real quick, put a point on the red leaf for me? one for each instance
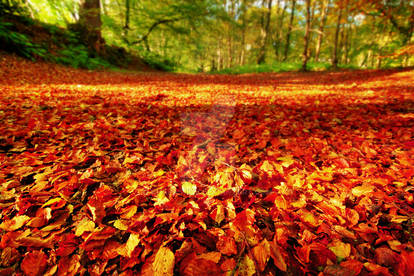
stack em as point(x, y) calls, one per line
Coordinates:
point(34, 263)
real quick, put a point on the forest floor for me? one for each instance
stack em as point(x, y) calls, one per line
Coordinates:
point(162, 174)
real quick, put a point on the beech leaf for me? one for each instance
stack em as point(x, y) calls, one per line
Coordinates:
point(164, 262)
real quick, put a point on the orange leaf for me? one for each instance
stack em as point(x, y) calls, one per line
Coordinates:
point(226, 245)
point(277, 256)
point(261, 253)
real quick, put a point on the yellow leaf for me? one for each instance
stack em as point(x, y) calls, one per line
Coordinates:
point(159, 173)
point(52, 201)
point(120, 225)
point(85, 225)
point(362, 190)
point(309, 218)
point(15, 223)
point(267, 167)
point(131, 243)
point(215, 191)
point(189, 188)
point(398, 219)
point(161, 199)
point(247, 267)
point(164, 262)
point(340, 249)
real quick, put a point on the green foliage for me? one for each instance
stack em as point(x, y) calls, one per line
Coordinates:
point(273, 68)
point(159, 62)
point(14, 7)
point(18, 42)
point(72, 52)
point(78, 56)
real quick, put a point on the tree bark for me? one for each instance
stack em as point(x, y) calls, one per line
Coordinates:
point(127, 16)
point(278, 36)
point(90, 22)
point(243, 33)
point(322, 23)
point(306, 37)
point(265, 34)
point(292, 17)
point(336, 41)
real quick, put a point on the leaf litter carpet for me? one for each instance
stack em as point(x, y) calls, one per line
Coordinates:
point(106, 173)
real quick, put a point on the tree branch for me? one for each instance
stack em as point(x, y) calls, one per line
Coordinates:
point(153, 26)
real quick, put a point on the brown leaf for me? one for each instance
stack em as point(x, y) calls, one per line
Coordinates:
point(386, 257)
point(354, 265)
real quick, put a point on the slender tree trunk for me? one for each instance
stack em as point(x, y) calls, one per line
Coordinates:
point(243, 34)
point(292, 17)
point(279, 31)
point(220, 62)
point(265, 34)
point(336, 41)
point(322, 23)
point(127, 16)
point(347, 44)
point(90, 22)
point(306, 37)
point(230, 35)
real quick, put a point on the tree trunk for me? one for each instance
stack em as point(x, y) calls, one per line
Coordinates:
point(262, 52)
point(127, 16)
point(306, 37)
point(338, 29)
point(322, 23)
point(292, 17)
point(278, 38)
point(243, 34)
point(90, 23)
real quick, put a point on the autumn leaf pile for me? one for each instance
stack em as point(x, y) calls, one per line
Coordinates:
point(162, 174)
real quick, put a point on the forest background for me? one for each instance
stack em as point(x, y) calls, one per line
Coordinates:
point(240, 35)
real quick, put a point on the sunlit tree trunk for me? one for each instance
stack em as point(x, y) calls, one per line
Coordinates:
point(279, 28)
point(336, 41)
point(289, 32)
point(90, 22)
point(322, 23)
point(305, 54)
point(243, 33)
point(265, 33)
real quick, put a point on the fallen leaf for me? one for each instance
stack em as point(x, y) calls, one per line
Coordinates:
point(189, 188)
point(34, 263)
point(164, 262)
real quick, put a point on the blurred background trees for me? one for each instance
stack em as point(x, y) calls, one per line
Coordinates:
point(211, 35)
